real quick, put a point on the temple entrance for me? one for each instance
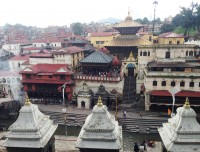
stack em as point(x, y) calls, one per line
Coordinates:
point(130, 67)
point(82, 104)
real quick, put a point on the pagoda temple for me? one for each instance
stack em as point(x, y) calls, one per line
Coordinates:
point(182, 132)
point(101, 132)
point(127, 40)
point(31, 132)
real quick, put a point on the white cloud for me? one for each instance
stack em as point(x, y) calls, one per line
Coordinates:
point(62, 12)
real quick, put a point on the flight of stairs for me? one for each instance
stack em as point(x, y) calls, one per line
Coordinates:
point(129, 94)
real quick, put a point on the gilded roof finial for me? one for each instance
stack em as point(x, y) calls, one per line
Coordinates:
point(131, 57)
point(27, 101)
point(187, 104)
point(129, 15)
point(99, 103)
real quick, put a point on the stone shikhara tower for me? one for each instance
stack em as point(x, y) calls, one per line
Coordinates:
point(101, 132)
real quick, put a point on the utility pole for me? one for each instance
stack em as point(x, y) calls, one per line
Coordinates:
point(154, 19)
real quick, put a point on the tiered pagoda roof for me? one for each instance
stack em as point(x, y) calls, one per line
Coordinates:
point(128, 41)
point(100, 130)
point(32, 129)
point(182, 132)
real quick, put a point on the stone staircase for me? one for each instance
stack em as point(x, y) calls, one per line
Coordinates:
point(129, 94)
point(141, 125)
point(72, 119)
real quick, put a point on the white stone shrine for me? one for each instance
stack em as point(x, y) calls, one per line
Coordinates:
point(84, 97)
point(182, 132)
point(101, 132)
point(32, 130)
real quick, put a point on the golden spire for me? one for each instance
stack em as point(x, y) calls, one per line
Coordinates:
point(131, 57)
point(99, 103)
point(187, 104)
point(129, 15)
point(27, 101)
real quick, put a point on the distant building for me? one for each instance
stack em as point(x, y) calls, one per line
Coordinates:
point(98, 39)
point(45, 81)
point(161, 67)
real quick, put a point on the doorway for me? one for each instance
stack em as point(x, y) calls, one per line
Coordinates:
point(82, 104)
point(130, 67)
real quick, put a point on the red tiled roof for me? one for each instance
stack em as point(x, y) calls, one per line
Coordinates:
point(47, 81)
point(48, 68)
point(20, 57)
point(26, 62)
point(69, 50)
point(25, 41)
point(115, 61)
point(48, 40)
point(41, 55)
point(180, 94)
point(170, 34)
point(101, 34)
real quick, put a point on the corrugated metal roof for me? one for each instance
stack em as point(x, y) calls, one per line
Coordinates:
point(128, 40)
point(97, 57)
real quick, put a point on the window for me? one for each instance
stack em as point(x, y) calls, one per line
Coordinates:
point(170, 42)
point(182, 83)
point(191, 53)
point(154, 83)
point(62, 77)
point(55, 44)
point(148, 53)
point(39, 76)
point(167, 55)
point(50, 76)
point(102, 42)
point(28, 76)
point(186, 53)
point(144, 53)
point(173, 83)
point(178, 42)
point(163, 83)
point(98, 42)
point(191, 84)
point(199, 84)
point(140, 53)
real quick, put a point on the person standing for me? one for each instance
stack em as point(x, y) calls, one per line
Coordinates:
point(136, 148)
point(124, 113)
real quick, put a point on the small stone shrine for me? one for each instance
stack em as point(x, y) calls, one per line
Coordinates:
point(100, 133)
point(182, 132)
point(31, 132)
point(103, 93)
point(84, 97)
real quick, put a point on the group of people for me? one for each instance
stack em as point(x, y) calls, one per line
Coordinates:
point(142, 147)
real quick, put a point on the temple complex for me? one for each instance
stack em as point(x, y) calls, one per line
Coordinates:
point(85, 97)
point(101, 132)
point(182, 132)
point(32, 131)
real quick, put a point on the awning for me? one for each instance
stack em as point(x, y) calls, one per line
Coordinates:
point(180, 94)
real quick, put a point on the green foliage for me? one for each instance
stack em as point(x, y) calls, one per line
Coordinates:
point(77, 28)
point(181, 30)
point(167, 28)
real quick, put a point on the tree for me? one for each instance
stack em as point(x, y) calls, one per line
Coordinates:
point(77, 28)
point(154, 21)
point(166, 28)
point(145, 21)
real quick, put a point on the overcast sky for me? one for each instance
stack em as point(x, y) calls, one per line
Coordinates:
point(63, 12)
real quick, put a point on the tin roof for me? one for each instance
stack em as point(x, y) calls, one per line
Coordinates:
point(97, 57)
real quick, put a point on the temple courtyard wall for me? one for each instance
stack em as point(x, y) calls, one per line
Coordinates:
point(93, 85)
